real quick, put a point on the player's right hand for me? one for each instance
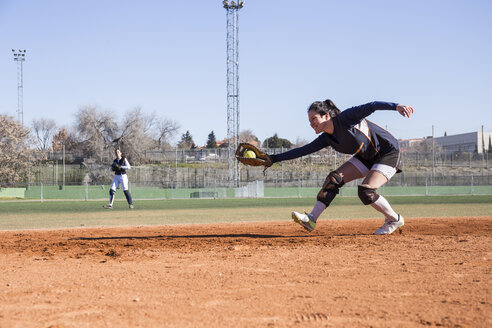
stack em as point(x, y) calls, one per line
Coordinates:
point(404, 110)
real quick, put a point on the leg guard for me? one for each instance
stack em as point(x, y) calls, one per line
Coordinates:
point(367, 195)
point(128, 196)
point(111, 196)
point(330, 188)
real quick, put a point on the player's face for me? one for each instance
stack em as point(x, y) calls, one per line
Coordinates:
point(118, 153)
point(317, 121)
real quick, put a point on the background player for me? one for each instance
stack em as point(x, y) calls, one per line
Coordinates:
point(119, 167)
point(376, 157)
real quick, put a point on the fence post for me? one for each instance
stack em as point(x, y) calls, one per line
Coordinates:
point(63, 167)
point(298, 188)
point(41, 192)
point(86, 191)
point(471, 189)
point(426, 188)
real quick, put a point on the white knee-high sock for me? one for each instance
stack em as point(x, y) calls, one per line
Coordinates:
point(382, 205)
point(318, 208)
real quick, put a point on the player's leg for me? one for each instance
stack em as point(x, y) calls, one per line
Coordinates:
point(349, 171)
point(126, 191)
point(112, 191)
point(377, 177)
point(334, 181)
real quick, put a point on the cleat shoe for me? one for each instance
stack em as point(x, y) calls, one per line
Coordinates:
point(131, 206)
point(108, 206)
point(390, 226)
point(305, 220)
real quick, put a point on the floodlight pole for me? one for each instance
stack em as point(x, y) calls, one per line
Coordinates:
point(232, 8)
point(20, 57)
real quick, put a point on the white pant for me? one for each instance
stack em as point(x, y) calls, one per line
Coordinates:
point(120, 180)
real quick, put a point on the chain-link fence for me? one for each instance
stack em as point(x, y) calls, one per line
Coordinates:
point(198, 183)
point(325, 156)
point(203, 173)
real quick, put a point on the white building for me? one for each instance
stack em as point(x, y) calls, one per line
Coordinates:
point(466, 142)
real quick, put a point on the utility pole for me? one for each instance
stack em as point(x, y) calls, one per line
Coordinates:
point(232, 9)
point(433, 157)
point(20, 57)
point(483, 152)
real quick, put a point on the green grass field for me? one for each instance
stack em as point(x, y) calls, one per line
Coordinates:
point(79, 192)
point(68, 214)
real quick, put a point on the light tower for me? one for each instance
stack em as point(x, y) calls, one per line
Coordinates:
point(232, 9)
point(20, 57)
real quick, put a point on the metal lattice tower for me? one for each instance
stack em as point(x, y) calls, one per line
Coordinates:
point(20, 57)
point(232, 9)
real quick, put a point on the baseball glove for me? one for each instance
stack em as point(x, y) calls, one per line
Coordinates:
point(115, 166)
point(262, 159)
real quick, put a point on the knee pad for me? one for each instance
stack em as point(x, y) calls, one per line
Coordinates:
point(330, 189)
point(367, 195)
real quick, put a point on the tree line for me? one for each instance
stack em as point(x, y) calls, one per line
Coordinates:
point(96, 133)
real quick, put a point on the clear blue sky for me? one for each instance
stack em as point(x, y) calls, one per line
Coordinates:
point(170, 57)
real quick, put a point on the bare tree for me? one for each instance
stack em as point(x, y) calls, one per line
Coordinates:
point(301, 142)
point(134, 136)
point(43, 130)
point(249, 137)
point(96, 130)
point(98, 133)
point(165, 129)
point(140, 132)
point(64, 138)
point(15, 151)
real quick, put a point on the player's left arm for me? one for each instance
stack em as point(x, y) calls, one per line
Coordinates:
point(314, 146)
point(126, 165)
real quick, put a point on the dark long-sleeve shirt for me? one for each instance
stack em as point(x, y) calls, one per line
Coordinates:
point(123, 166)
point(352, 134)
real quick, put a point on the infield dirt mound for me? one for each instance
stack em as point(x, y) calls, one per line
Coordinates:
point(436, 272)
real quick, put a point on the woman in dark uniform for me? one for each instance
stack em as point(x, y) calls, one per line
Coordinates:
point(376, 157)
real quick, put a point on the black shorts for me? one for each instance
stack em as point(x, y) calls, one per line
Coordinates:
point(391, 159)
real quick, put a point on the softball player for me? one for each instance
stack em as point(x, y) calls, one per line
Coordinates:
point(376, 157)
point(119, 167)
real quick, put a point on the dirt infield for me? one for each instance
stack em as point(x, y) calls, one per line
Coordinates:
point(436, 272)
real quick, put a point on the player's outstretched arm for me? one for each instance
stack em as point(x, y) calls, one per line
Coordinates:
point(315, 145)
point(404, 110)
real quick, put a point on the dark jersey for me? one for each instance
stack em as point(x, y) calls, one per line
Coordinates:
point(123, 164)
point(352, 134)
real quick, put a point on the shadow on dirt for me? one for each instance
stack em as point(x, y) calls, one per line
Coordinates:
point(207, 236)
point(243, 235)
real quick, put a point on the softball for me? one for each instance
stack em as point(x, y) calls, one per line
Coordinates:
point(249, 154)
